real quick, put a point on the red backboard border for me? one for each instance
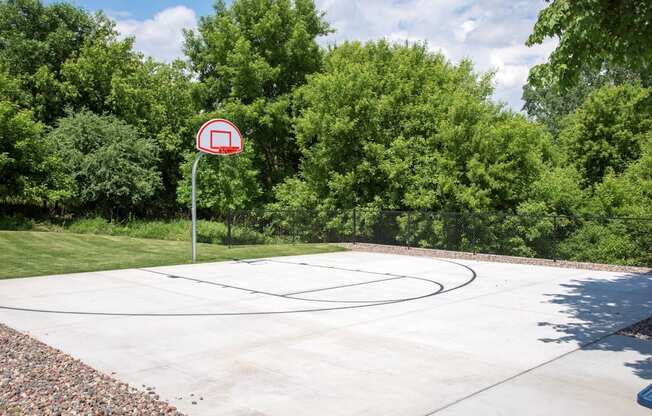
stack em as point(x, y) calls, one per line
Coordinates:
point(221, 151)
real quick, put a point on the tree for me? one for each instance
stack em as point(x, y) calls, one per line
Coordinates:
point(35, 42)
point(224, 182)
point(625, 199)
point(399, 127)
point(594, 34)
point(248, 58)
point(61, 58)
point(111, 168)
point(630, 193)
point(605, 133)
point(557, 192)
point(547, 102)
point(157, 99)
point(92, 74)
point(27, 170)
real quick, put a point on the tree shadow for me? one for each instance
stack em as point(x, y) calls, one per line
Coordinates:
point(597, 308)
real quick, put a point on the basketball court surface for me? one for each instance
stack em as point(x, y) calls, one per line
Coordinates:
point(352, 333)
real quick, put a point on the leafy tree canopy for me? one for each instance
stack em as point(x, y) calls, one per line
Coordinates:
point(399, 127)
point(248, 58)
point(109, 77)
point(592, 34)
point(35, 42)
point(605, 133)
point(109, 165)
point(628, 194)
point(547, 102)
point(25, 168)
point(255, 48)
point(223, 183)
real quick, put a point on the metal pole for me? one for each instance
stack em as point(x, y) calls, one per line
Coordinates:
point(194, 206)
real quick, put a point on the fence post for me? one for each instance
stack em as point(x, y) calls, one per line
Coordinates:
point(354, 224)
point(554, 239)
point(409, 229)
point(293, 225)
point(473, 238)
point(229, 237)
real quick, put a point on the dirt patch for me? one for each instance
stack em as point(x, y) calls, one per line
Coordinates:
point(36, 379)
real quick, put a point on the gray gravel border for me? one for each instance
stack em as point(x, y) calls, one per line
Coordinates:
point(424, 252)
point(36, 379)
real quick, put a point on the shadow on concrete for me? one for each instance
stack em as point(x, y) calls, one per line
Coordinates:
point(600, 307)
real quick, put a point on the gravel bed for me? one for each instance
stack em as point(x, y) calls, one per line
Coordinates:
point(36, 379)
point(379, 248)
point(640, 330)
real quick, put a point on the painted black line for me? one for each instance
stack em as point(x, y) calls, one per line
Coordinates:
point(289, 296)
point(339, 287)
point(441, 288)
point(282, 312)
point(321, 266)
point(208, 282)
point(473, 272)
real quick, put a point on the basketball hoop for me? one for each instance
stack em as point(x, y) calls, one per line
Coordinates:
point(219, 137)
point(216, 137)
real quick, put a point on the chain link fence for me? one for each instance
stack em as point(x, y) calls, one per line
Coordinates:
point(626, 241)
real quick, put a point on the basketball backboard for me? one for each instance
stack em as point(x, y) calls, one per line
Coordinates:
point(219, 137)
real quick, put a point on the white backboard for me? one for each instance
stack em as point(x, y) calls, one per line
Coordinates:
point(219, 137)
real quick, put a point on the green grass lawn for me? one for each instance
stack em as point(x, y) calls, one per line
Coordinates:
point(28, 253)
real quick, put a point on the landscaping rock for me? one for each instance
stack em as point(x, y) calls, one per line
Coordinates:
point(36, 379)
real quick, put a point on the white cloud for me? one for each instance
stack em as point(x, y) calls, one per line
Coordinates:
point(464, 29)
point(490, 32)
point(162, 36)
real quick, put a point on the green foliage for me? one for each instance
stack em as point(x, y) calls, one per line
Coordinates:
point(29, 173)
point(594, 34)
point(249, 57)
point(214, 232)
point(557, 191)
point(35, 42)
point(373, 126)
point(605, 133)
point(223, 183)
point(178, 230)
point(628, 195)
point(57, 57)
point(93, 73)
point(547, 102)
point(613, 243)
point(400, 127)
point(108, 77)
point(110, 166)
point(255, 48)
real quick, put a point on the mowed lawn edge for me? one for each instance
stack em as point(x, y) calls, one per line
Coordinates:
point(34, 253)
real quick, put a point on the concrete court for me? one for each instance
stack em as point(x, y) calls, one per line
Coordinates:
point(506, 343)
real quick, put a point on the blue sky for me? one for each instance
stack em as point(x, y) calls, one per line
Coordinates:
point(141, 10)
point(490, 32)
